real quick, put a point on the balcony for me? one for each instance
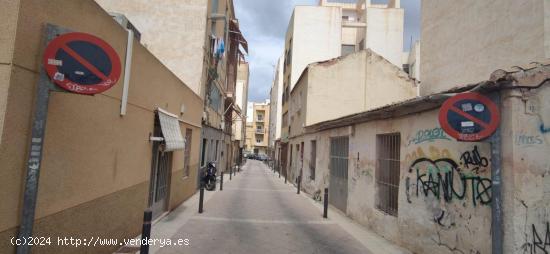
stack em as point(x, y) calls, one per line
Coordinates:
point(260, 131)
point(260, 119)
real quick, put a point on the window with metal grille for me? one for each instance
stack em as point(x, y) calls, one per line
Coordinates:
point(387, 172)
point(313, 160)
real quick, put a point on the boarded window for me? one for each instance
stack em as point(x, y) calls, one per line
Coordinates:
point(313, 160)
point(187, 152)
point(387, 172)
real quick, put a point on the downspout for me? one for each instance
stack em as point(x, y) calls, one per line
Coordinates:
point(127, 72)
point(496, 186)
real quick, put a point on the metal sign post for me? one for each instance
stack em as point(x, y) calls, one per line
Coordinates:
point(34, 160)
point(71, 66)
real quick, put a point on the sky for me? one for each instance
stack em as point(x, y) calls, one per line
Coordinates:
point(264, 23)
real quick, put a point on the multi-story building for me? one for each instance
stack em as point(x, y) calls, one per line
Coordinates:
point(275, 114)
point(239, 115)
point(258, 128)
point(100, 169)
point(343, 28)
point(222, 56)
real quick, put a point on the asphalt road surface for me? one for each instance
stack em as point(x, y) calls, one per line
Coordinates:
point(257, 213)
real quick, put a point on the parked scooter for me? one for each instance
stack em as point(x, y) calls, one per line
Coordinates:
point(209, 177)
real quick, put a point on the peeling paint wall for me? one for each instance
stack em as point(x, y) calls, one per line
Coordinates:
point(445, 186)
point(526, 168)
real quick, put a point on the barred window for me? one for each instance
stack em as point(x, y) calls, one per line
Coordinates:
point(387, 172)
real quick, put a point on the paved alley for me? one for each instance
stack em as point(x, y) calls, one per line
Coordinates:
point(257, 213)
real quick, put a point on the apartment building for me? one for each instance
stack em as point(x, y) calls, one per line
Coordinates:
point(275, 114)
point(100, 169)
point(239, 114)
point(258, 129)
point(343, 27)
point(224, 50)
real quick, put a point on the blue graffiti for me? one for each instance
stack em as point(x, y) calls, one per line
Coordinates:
point(543, 129)
point(428, 135)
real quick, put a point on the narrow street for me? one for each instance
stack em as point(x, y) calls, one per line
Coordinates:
point(257, 213)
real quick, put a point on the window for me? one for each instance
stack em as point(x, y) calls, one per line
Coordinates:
point(406, 68)
point(313, 160)
point(258, 141)
point(345, 18)
point(187, 152)
point(347, 49)
point(387, 172)
point(203, 152)
point(216, 152)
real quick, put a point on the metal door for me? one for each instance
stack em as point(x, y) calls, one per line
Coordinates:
point(338, 185)
point(160, 173)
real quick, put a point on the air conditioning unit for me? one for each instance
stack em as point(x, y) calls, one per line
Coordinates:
point(124, 22)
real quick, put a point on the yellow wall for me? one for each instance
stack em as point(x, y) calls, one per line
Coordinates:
point(91, 153)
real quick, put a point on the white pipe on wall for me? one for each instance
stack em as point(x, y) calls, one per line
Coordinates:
point(127, 72)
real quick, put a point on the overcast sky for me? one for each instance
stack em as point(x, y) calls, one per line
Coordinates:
point(264, 23)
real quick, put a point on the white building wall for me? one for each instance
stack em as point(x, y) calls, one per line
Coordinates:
point(316, 36)
point(384, 32)
point(465, 45)
point(173, 30)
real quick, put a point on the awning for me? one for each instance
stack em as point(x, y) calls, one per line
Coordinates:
point(170, 130)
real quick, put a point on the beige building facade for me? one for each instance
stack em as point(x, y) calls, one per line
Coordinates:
point(96, 171)
point(258, 129)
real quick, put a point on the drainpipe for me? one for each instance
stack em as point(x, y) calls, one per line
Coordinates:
point(496, 186)
point(127, 72)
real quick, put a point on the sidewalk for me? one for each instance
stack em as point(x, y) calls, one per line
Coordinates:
point(256, 212)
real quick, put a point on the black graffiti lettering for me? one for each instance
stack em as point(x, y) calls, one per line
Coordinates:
point(440, 181)
point(538, 244)
point(473, 158)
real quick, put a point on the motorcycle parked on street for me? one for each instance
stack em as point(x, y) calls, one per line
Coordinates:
point(209, 177)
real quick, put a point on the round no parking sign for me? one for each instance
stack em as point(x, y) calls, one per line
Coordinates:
point(469, 117)
point(82, 63)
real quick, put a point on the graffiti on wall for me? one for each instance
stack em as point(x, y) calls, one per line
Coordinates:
point(523, 139)
point(540, 240)
point(428, 135)
point(446, 179)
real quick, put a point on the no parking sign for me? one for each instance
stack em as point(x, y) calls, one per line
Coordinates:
point(469, 117)
point(82, 63)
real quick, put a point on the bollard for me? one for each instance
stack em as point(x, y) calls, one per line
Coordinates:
point(230, 173)
point(325, 205)
point(299, 183)
point(221, 181)
point(285, 176)
point(235, 172)
point(201, 198)
point(279, 172)
point(146, 231)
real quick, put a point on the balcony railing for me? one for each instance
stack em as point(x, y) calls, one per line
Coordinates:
point(260, 119)
point(262, 131)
